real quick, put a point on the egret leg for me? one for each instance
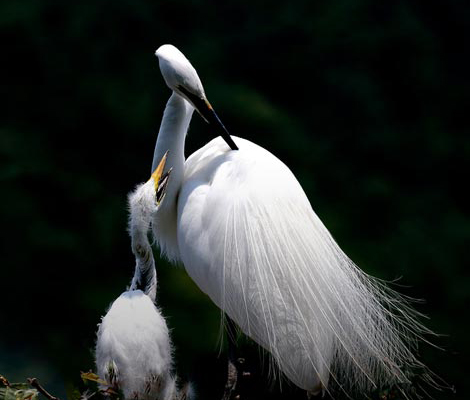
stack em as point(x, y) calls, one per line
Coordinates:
point(234, 363)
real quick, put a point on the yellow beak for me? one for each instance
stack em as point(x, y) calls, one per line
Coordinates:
point(160, 180)
point(157, 174)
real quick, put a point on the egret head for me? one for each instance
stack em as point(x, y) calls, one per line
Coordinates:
point(181, 77)
point(179, 74)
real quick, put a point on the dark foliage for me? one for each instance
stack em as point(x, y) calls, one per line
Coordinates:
point(366, 101)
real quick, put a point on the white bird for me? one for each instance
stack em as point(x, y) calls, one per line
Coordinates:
point(239, 221)
point(133, 348)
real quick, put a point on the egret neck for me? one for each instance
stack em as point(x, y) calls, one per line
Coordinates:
point(171, 138)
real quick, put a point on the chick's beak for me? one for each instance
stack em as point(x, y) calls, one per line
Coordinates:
point(160, 179)
point(205, 110)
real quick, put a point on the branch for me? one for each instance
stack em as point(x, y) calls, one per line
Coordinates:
point(35, 384)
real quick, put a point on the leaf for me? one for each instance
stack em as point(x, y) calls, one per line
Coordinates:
point(72, 392)
point(18, 391)
point(90, 376)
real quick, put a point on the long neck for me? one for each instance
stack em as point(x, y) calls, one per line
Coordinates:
point(142, 206)
point(171, 137)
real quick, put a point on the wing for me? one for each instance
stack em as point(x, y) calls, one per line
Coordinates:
point(250, 240)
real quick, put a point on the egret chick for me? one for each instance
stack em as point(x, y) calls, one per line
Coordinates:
point(133, 348)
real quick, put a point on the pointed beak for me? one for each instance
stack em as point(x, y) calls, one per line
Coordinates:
point(208, 113)
point(205, 110)
point(160, 179)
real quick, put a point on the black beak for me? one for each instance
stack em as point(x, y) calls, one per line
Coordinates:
point(206, 111)
point(162, 184)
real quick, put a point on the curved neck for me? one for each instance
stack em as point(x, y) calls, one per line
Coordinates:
point(142, 206)
point(171, 136)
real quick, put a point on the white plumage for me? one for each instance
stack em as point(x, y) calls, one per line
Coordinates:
point(248, 236)
point(133, 349)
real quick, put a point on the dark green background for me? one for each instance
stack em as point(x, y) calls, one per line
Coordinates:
point(366, 101)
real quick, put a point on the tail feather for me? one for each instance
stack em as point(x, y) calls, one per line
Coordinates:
point(310, 306)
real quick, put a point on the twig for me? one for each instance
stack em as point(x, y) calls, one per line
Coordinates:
point(35, 384)
point(4, 381)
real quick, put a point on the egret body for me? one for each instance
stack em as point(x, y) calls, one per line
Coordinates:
point(239, 221)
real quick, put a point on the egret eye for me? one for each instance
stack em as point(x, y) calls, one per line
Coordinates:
point(205, 110)
point(197, 101)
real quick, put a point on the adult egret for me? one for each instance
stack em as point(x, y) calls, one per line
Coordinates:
point(246, 233)
point(133, 348)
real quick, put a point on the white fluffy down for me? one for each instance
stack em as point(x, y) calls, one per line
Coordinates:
point(133, 350)
point(142, 206)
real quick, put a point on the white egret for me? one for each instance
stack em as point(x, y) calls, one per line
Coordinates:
point(133, 348)
point(247, 235)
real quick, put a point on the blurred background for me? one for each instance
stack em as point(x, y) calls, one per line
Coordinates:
point(366, 101)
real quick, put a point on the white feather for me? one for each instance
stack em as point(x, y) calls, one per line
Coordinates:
point(133, 350)
point(250, 239)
